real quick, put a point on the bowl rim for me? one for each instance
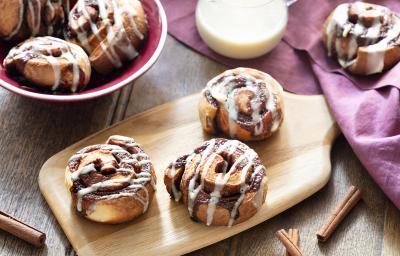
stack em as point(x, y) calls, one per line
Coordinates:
point(105, 91)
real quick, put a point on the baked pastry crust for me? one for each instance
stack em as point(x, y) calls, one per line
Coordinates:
point(243, 103)
point(112, 182)
point(50, 63)
point(365, 38)
point(111, 32)
point(23, 19)
point(222, 182)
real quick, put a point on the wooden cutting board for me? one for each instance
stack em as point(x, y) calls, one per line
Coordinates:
point(297, 160)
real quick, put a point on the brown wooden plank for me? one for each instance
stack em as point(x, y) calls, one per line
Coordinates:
point(391, 236)
point(32, 131)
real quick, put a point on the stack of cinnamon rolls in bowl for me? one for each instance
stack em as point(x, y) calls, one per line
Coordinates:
point(62, 50)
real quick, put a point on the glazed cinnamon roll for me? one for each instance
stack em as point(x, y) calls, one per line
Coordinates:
point(243, 103)
point(223, 182)
point(50, 63)
point(110, 31)
point(21, 19)
point(365, 38)
point(112, 182)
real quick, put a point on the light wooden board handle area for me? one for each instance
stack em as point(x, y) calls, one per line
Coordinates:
point(297, 160)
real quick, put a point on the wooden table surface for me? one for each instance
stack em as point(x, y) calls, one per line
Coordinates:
point(32, 131)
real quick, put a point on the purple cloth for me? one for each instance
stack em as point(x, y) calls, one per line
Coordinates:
point(366, 108)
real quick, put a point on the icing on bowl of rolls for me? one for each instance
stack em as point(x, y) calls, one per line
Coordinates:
point(66, 51)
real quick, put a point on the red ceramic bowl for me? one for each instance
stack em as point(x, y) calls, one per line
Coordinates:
point(99, 86)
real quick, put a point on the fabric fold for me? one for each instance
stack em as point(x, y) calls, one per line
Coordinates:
point(367, 108)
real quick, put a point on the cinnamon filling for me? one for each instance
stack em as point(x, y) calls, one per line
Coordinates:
point(111, 32)
point(359, 24)
point(218, 173)
point(37, 18)
point(248, 101)
point(107, 171)
point(68, 62)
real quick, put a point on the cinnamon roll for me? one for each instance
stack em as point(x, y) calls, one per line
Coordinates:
point(223, 182)
point(243, 103)
point(50, 63)
point(363, 37)
point(25, 18)
point(112, 182)
point(110, 31)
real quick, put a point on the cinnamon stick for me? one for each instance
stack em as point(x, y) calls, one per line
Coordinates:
point(289, 244)
point(351, 198)
point(21, 230)
point(295, 237)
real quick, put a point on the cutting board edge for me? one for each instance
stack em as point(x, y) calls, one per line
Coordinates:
point(326, 176)
point(331, 134)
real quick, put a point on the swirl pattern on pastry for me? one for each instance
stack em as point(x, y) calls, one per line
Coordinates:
point(243, 103)
point(222, 182)
point(25, 18)
point(110, 31)
point(50, 63)
point(112, 182)
point(365, 38)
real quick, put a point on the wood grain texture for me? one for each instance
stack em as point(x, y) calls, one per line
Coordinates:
point(392, 231)
point(32, 131)
point(297, 167)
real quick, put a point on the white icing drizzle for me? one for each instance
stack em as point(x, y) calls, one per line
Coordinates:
point(375, 61)
point(224, 92)
point(243, 188)
point(120, 138)
point(221, 180)
point(126, 46)
point(135, 180)
point(129, 142)
point(230, 146)
point(21, 18)
point(111, 147)
point(110, 34)
point(97, 186)
point(56, 69)
point(134, 161)
point(36, 16)
point(86, 169)
point(117, 37)
point(119, 151)
point(125, 170)
point(376, 48)
point(76, 157)
point(42, 47)
point(131, 13)
point(50, 28)
point(82, 36)
point(171, 174)
point(192, 192)
point(141, 179)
